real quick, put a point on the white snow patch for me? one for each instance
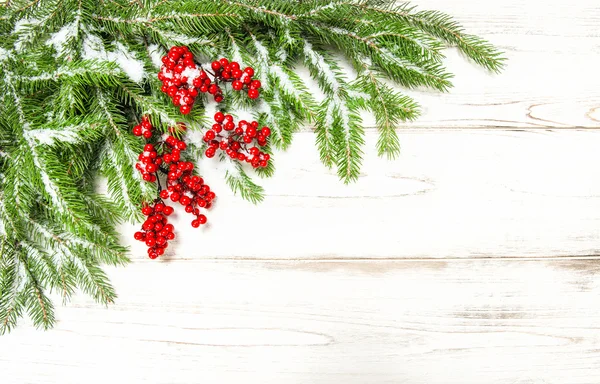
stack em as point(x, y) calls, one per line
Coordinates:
point(156, 54)
point(20, 30)
point(93, 48)
point(329, 115)
point(195, 136)
point(133, 67)
point(319, 62)
point(4, 54)
point(191, 74)
point(262, 51)
point(50, 136)
point(59, 39)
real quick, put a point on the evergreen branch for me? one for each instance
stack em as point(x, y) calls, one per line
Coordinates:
point(444, 27)
point(241, 183)
point(76, 75)
point(389, 108)
point(162, 18)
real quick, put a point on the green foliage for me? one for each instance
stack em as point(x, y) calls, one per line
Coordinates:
point(75, 75)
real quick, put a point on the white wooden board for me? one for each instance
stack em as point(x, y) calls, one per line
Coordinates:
point(473, 258)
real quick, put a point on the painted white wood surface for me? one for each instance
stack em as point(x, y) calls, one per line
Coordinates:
point(474, 258)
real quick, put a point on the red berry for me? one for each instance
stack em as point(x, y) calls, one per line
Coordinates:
point(251, 131)
point(164, 194)
point(185, 109)
point(249, 71)
point(265, 131)
point(255, 84)
point(253, 93)
point(202, 219)
point(219, 117)
point(167, 211)
point(213, 89)
point(209, 135)
point(147, 134)
point(237, 85)
point(138, 235)
point(181, 146)
point(215, 65)
point(224, 62)
point(195, 223)
point(150, 241)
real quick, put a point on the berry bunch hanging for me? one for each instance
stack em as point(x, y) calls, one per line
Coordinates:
point(236, 141)
point(182, 80)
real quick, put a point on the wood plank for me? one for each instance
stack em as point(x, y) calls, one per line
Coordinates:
point(551, 79)
point(465, 321)
point(460, 193)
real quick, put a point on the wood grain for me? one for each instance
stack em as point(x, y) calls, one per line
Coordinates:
point(482, 321)
point(473, 258)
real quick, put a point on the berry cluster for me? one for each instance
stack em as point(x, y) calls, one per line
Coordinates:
point(182, 79)
point(226, 71)
point(183, 186)
point(177, 75)
point(237, 141)
point(144, 128)
point(156, 230)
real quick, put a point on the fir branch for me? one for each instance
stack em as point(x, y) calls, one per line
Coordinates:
point(241, 183)
point(76, 75)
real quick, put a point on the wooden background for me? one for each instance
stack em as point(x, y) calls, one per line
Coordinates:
point(474, 258)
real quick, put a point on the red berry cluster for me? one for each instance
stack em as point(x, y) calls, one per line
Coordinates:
point(156, 230)
point(144, 128)
point(235, 141)
point(183, 186)
point(182, 78)
point(177, 74)
point(226, 71)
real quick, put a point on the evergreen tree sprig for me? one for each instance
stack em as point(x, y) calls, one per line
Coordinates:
point(76, 75)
